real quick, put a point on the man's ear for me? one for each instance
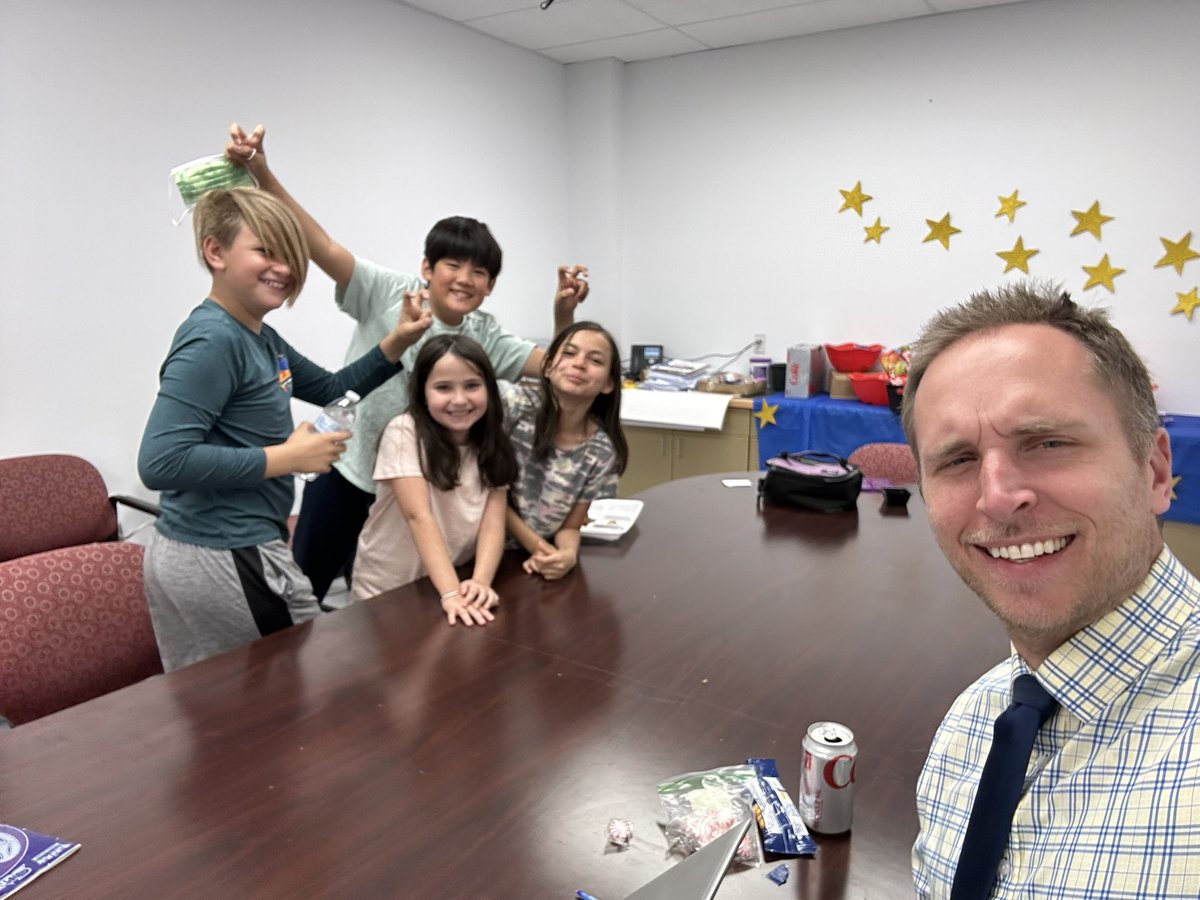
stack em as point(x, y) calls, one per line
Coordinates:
point(214, 253)
point(426, 269)
point(1161, 477)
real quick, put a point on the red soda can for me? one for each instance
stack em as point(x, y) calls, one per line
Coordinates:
point(826, 800)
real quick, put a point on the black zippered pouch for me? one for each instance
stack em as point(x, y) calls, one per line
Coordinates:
point(812, 480)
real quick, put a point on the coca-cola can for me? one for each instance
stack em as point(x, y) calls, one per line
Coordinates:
point(826, 800)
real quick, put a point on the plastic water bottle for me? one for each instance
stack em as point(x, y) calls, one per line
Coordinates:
point(336, 416)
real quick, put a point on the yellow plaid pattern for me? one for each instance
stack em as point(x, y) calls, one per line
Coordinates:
point(1112, 802)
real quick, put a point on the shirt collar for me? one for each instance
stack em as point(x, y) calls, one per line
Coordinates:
point(1100, 663)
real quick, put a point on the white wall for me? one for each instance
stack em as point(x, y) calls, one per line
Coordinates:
point(732, 162)
point(702, 189)
point(380, 119)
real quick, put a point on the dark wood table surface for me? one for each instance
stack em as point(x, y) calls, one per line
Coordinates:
point(378, 752)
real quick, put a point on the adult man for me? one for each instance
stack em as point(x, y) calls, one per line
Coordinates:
point(1044, 468)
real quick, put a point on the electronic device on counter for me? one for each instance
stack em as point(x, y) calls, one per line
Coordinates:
point(642, 356)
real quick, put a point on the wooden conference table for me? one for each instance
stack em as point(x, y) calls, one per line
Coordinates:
point(379, 753)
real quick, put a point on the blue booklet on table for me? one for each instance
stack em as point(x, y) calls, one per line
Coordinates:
point(24, 855)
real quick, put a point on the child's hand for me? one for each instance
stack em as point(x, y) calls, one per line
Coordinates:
point(415, 319)
point(572, 289)
point(247, 150)
point(314, 451)
point(471, 603)
point(550, 562)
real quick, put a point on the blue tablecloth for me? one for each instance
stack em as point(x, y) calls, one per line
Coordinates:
point(822, 423)
point(1185, 463)
point(842, 426)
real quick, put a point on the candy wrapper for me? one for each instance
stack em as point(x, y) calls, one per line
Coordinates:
point(702, 806)
point(620, 833)
point(783, 831)
point(779, 874)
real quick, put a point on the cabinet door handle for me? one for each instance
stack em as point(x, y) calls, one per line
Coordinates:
point(679, 448)
point(662, 445)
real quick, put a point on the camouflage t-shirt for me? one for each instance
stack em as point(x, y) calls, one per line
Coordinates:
point(546, 490)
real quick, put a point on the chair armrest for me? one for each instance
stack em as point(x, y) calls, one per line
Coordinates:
point(145, 506)
point(137, 503)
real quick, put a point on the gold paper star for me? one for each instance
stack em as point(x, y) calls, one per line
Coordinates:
point(1187, 302)
point(1009, 206)
point(1091, 221)
point(1178, 252)
point(875, 232)
point(1102, 273)
point(854, 199)
point(766, 415)
point(1018, 256)
point(941, 230)
point(1174, 483)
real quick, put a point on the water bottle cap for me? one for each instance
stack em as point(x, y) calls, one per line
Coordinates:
point(352, 397)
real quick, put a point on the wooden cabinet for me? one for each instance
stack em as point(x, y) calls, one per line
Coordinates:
point(663, 454)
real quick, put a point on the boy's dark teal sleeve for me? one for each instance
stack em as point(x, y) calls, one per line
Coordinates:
point(317, 385)
point(178, 451)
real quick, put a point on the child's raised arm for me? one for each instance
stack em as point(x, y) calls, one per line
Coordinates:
point(247, 150)
point(572, 290)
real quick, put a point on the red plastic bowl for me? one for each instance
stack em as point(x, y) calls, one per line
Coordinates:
point(870, 387)
point(853, 357)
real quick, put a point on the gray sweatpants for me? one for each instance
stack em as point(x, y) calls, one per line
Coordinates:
point(205, 600)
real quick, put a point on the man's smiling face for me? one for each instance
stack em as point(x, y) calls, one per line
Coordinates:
point(1033, 491)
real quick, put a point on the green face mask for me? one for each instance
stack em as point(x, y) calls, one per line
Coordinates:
point(192, 180)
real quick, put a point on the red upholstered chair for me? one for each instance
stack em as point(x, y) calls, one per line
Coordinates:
point(895, 462)
point(73, 625)
point(54, 500)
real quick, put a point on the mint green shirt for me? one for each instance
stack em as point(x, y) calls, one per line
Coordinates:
point(374, 298)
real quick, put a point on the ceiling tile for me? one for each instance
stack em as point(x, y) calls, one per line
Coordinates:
point(566, 22)
point(630, 48)
point(681, 12)
point(809, 18)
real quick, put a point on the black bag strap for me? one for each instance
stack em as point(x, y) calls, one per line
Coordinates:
point(819, 456)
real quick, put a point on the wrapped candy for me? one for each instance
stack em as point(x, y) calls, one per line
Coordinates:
point(620, 833)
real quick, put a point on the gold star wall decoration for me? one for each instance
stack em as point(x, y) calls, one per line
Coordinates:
point(1178, 252)
point(1009, 206)
point(1102, 273)
point(1174, 484)
point(1018, 256)
point(1187, 303)
point(854, 198)
point(766, 415)
point(1091, 221)
point(875, 232)
point(941, 230)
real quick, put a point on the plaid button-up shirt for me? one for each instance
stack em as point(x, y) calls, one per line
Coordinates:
point(1112, 802)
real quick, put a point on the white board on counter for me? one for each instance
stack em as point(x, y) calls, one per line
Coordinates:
point(687, 410)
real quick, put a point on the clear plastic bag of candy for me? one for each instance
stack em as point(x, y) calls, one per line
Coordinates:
point(702, 806)
point(189, 182)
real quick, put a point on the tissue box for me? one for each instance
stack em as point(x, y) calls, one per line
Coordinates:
point(805, 373)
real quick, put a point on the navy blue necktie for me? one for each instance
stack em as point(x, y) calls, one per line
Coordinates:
point(1000, 789)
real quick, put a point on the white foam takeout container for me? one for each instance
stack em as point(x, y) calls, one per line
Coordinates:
point(609, 519)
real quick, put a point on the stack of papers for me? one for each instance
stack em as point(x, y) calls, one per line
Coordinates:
point(674, 375)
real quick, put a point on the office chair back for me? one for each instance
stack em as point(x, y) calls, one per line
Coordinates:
point(50, 501)
point(73, 625)
point(892, 461)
